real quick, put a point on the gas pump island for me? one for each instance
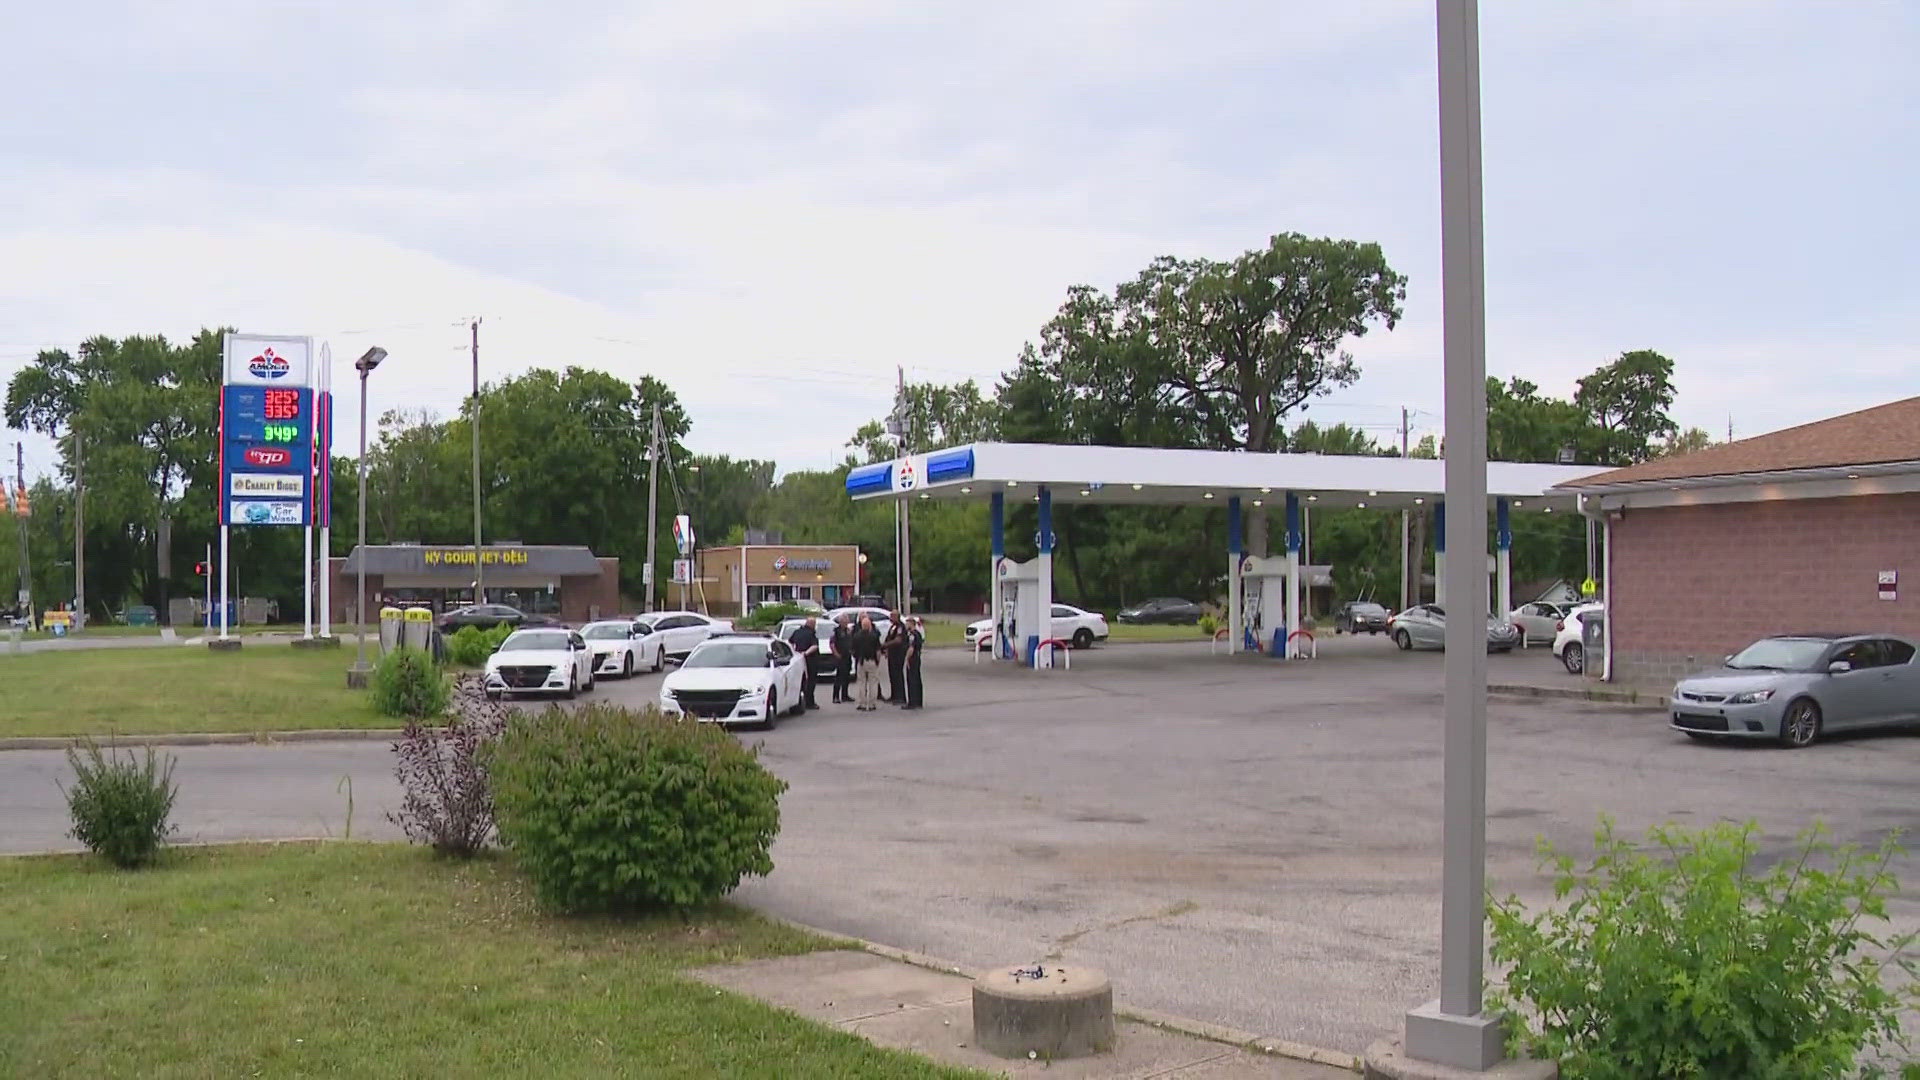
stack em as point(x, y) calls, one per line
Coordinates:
point(1264, 598)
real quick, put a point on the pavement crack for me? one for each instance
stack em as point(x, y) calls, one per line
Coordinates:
point(1072, 937)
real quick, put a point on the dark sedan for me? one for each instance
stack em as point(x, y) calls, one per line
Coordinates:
point(488, 616)
point(1165, 609)
point(1361, 617)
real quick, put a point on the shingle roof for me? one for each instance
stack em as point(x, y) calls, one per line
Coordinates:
point(1882, 434)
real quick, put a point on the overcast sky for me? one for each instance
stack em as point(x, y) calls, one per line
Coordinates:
point(771, 205)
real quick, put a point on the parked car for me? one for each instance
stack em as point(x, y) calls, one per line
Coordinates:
point(824, 661)
point(735, 678)
point(1569, 641)
point(488, 616)
point(680, 632)
point(882, 618)
point(1361, 617)
point(1798, 687)
point(1077, 626)
point(1538, 621)
point(540, 660)
point(1424, 626)
point(1166, 609)
point(622, 647)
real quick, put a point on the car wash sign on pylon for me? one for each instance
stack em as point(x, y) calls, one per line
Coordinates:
point(267, 431)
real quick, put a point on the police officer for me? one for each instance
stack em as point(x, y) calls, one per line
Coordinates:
point(916, 644)
point(842, 643)
point(806, 645)
point(893, 645)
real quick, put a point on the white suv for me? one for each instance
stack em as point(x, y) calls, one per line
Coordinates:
point(1569, 644)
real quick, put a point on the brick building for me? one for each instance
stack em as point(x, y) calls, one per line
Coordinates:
point(568, 583)
point(730, 580)
point(1815, 528)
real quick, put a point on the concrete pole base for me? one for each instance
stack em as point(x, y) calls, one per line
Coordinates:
point(1065, 1012)
point(309, 643)
point(357, 677)
point(229, 644)
point(1387, 1060)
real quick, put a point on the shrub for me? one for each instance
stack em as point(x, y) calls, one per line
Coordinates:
point(495, 636)
point(446, 799)
point(1209, 624)
point(768, 616)
point(408, 684)
point(468, 647)
point(120, 807)
point(1688, 960)
point(609, 808)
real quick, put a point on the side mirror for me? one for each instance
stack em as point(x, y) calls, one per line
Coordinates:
point(1839, 667)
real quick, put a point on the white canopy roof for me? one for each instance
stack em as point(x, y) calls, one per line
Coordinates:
point(1142, 475)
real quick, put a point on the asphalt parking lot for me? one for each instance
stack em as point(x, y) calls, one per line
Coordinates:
point(1245, 841)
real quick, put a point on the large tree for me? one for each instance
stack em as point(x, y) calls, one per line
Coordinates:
point(1628, 401)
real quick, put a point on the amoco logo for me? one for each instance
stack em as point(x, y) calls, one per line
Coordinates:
point(269, 365)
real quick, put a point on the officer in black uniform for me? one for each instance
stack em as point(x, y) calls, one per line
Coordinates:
point(916, 645)
point(806, 645)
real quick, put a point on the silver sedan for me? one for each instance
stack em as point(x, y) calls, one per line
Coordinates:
point(1795, 688)
point(1424, 626)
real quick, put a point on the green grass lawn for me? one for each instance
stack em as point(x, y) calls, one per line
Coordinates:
point(262, 687)
point(371, 960)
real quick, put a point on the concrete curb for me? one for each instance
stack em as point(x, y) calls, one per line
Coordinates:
point(1628, 699)
point(1199, 1029)
point(211, 738)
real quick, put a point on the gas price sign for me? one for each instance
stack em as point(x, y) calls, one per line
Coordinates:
point(266, 460)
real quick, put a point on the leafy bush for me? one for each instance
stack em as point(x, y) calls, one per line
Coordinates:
point(446, 799)
point(496, 636)
point(1209, 624)
point(120, 808)
point(768, 616)
point(1688, 960)
point(408, 684)
point(468, 647)
point(609, 808)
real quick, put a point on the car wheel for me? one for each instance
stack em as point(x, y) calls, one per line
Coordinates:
point(1404, 640)
point(1801, 726)
point(659, 658)
point(626, 666)
point(773, 710)
point(1575, 658)
point(1083, 638)
point(573, 686)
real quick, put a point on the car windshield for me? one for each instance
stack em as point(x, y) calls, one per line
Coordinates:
point(613, 631)
point(529, 641)
point(1779, 654)
point(728, 654)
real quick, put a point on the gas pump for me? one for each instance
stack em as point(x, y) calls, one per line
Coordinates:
point(1019, 625)
point(1263, 604)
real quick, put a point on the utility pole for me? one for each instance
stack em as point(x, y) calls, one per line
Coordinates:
point(79, 536)
point(25, 598)
point(653, 501)
point(479, 575)
point(903, 530)
point(1406, 574)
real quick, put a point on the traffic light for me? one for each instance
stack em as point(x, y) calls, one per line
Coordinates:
point(200, 569)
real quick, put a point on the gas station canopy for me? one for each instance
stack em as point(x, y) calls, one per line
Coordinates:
point(1147, 476)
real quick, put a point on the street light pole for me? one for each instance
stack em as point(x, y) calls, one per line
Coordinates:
point(479, 574)
point(357, 675)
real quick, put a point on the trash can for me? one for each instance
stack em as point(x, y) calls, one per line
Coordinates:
point(390, 620)
point(1593, 644)
point(416, 630)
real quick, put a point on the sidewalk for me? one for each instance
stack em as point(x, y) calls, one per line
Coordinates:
point(1551, 680)
point(928, 1010)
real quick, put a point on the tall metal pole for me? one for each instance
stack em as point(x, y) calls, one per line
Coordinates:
point(1406, 529)
point(20, 493)
point(79, 535)
point(1452, 1031)
point(358, 676)
point(653, 501)
point(479, 575)
point(903, 540)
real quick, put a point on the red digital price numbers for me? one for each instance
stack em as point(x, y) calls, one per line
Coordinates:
point(283, 405)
